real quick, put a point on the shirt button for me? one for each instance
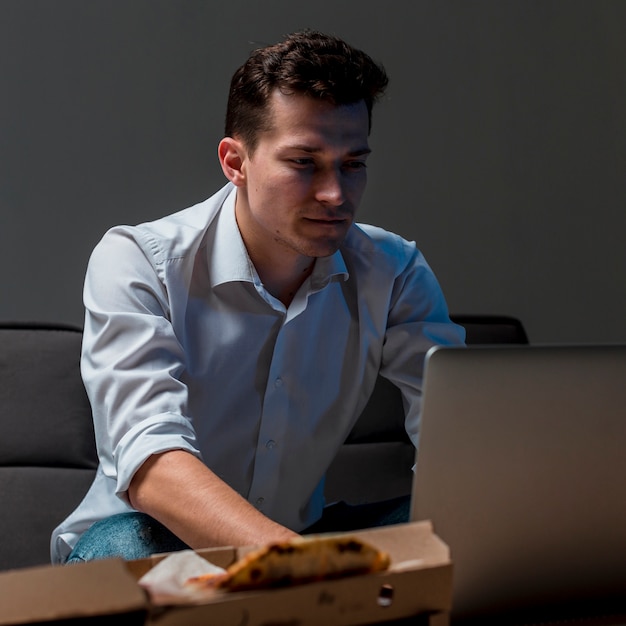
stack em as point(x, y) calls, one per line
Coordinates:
point(259, 502)
point(278, 382)
point(270, 444)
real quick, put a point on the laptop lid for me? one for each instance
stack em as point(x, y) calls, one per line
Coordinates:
point(521, 466)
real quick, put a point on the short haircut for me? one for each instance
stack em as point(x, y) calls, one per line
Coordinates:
point(306, 62)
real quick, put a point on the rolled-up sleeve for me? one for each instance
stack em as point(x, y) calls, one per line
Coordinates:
point(418, 319)
point(132, 360)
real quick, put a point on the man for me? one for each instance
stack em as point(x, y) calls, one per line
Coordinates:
point(230, 347)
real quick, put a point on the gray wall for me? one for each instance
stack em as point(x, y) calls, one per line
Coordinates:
point(500, 147)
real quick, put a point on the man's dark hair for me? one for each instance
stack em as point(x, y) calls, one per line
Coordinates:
point(306, 62)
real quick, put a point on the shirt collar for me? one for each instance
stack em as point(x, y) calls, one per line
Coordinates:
point(327, 269)
point(229, 261)
point(227, 255)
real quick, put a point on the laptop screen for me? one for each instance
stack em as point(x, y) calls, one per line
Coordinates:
point(521, 467)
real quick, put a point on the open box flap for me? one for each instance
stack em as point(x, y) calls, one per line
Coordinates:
point(49, 593)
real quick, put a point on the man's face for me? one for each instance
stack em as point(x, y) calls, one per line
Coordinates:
point(303, 183)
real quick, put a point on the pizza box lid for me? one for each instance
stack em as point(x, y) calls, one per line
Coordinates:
point(418, 581)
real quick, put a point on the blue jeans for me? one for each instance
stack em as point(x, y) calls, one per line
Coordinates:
point(131, 535)
point(137, 535)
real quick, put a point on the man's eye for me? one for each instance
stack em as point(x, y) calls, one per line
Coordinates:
point(356, 165)
point(302, 162)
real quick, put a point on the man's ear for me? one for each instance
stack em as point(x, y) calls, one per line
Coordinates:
point(232, 155)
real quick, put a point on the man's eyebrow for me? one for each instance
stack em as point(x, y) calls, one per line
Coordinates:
point(360, 152)
point(314, 150)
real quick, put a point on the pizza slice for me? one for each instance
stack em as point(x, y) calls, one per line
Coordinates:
point(300, 560)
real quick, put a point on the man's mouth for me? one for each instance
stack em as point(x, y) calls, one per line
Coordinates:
point(327, 220)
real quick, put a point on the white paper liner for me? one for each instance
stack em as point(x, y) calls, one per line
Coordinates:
point(165, 582)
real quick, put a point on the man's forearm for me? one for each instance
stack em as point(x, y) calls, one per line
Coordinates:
point(177, 489)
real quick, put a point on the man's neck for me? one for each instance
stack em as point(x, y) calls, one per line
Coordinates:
point(284, 279)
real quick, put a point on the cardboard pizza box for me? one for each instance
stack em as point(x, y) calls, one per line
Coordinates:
point(418, 582)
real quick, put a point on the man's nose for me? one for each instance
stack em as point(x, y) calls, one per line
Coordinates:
point(329, 187)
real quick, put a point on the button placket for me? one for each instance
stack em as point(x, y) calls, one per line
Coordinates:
point(273, 424)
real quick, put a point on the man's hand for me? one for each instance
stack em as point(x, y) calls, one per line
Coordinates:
point(183, 494)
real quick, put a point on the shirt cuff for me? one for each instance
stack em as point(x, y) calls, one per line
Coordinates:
point(159, 433)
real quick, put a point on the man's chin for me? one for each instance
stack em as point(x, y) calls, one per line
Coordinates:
point(323, 251)
point(325, 246)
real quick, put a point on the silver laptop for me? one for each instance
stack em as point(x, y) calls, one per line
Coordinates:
point(521, 467)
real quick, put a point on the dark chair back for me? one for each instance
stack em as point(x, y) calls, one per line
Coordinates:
point(492, 329)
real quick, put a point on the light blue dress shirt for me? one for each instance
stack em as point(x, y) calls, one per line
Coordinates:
point(185, 349)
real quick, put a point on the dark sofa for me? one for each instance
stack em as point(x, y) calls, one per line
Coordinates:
point(47, 449)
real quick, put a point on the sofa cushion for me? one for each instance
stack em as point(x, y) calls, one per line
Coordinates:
point(45, 417)
point(34, 501)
